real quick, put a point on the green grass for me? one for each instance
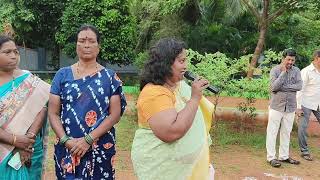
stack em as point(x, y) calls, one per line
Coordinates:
point(125, 131)
point(131, 89)
point(50, 161)
point(222, 136)
point(135, 90)
point(225, 135)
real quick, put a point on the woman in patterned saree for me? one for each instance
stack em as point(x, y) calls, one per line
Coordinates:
point(23, 98)
point(172, 140)
point(86, 101)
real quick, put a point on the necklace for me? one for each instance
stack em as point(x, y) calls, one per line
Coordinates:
point(78, 72)
point(13, 83)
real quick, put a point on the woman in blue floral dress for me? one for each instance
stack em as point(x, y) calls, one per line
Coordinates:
point(86, 101)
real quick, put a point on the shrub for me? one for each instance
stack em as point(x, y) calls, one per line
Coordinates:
point(117, 27)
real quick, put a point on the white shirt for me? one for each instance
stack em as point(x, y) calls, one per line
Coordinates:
point(309, 96)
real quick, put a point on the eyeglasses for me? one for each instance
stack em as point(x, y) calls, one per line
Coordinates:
point(9, 51)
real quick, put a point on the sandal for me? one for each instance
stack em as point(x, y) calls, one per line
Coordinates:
point(291, 161)
point(306, 157)
point(275, 163)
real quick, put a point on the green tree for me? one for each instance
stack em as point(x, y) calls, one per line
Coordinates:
point(15, 14)
point(198, 22)
point(265, 12)
point(298, 31)
point(156, 18)
point(113, 20)
point(35, 23)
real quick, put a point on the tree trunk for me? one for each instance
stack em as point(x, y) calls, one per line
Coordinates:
point(257, 51)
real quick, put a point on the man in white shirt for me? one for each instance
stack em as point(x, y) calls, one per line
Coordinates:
point(308, 100)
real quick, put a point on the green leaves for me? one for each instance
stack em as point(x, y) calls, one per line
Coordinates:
point(217, 67)
point(227, 73)
point(112, 19)
point(16, 14)
point(172, 6)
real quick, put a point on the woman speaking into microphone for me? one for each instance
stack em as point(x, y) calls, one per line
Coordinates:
point(172, 139)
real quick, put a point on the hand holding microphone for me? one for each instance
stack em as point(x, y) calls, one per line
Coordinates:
point(190, 76)
point(197, 86)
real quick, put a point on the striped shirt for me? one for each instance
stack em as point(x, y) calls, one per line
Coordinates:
point(283, 87)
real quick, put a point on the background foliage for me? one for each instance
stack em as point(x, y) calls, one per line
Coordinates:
point(112, 19)
point(130, 27)
point(227, 73)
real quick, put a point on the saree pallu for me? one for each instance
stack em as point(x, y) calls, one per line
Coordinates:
point(18, 109)
point(184, 159)
point(85, 105)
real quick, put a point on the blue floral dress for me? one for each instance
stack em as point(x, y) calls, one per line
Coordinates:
point(84, 106)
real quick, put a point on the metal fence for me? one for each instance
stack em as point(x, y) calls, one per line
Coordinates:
point(37, 60)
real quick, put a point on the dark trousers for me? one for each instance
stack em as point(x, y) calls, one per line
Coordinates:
point(302, 129)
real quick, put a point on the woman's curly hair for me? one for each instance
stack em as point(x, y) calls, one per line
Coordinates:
point(161, 57)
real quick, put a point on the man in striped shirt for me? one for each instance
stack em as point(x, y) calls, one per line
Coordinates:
point(285, 82)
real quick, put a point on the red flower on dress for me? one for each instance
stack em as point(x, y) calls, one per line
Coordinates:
point(91, 118)
point(107, 145)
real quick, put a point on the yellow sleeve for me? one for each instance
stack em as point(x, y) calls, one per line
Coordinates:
point(156, 100)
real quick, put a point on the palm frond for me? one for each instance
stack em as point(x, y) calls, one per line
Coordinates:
point(234, 9)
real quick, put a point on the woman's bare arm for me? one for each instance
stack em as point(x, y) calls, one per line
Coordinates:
point(170, 125)
point(54, 115)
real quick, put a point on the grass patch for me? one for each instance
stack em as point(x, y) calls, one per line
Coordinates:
point(224, 135)
point(50, 162)
point(125, 131)
point(131, 89)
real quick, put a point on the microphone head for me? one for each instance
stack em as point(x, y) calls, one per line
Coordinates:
point(189, 75)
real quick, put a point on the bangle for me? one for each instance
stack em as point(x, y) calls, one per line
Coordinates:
point(64, 139)
point(32, 134)
point(14, 139)
point(89, 139)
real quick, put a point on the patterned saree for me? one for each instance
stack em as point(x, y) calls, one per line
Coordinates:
point(85, 105)
point(20, 102)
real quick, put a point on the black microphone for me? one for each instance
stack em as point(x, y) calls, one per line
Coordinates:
point(189, 75)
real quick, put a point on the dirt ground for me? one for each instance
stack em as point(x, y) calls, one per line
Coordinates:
point(245, 164)
point(260, 104)
point(233, 162)
point(237, 162)
point(249, 164)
